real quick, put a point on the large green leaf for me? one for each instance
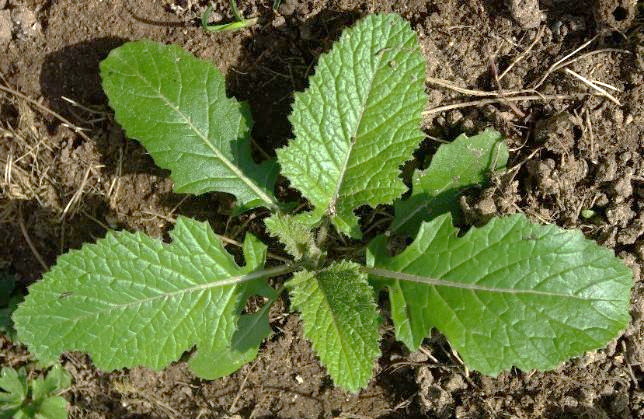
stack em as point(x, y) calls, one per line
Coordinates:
point(132, 300)
point(340, 319)
point(508, 294)
point(358, 121)
point(176, 106)
point(465, 162)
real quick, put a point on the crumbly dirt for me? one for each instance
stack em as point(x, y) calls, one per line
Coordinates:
point(576, 161)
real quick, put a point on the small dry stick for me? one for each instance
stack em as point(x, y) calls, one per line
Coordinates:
point(523, 54)
point(594, 86)
point(241, 388)
point(495, 73)
point(560, 62)
point(25, 234)
point(77, 195)
point(592, 137)
point(501, 100)
point(470, 92)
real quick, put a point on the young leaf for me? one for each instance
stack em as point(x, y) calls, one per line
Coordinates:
point(57, 379)
point(508, 294)
point(13, 386)
point(22, 398)
point(132, 300)
point(295, 235)
point(53, 407)
point(176, 106)
point(358, 121)
point(465, 162)
point(340, 319)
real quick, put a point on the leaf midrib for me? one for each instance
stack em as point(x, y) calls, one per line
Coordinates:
point(341, 335)
point(233, 280)
point(403, 276)
point(336, 192)
point(411, 214)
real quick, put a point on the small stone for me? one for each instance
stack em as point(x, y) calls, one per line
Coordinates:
point(6, 26)
point(620, 214)
point(623, 187)
point(526, 13)
point(28, 21)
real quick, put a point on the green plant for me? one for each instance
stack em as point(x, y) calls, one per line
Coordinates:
point(510, 293)
point(9, 301)
point(22, 397)
point(239, 22)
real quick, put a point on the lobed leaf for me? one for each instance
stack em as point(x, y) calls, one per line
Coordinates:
point(340, 319)
point(176, 106)
point(358, 121)
point(463, 163)
point(508, 294)
point(131, 300)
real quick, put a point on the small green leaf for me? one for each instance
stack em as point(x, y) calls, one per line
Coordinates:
point(132, 300)
point(13, 386)
point(340, 319)
point(508, 294)
point(358, 121)
point(176, 106)
point(463, 163)
point(57, 379)
point(296, 236)
point(54, 407)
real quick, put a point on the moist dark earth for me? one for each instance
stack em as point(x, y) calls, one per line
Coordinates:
point(69, 175)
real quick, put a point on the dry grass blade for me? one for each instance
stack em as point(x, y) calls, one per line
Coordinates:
point(594, 86)
point(25, 234)
point(524, 53)
point(44, 108)
point(488, 101)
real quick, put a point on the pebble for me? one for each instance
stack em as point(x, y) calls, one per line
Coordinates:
point(6, 26)
point(526, 13)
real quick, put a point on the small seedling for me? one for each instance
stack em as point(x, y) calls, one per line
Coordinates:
point(239, 22)
point(510, 293)
point(21, 397)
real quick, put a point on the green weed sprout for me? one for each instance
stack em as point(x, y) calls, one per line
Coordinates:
point(510, 293)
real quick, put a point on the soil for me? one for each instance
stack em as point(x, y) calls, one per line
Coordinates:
point(576, 161)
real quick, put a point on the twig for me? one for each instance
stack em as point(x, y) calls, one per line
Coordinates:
point(495, 73)
point(555, 66)
point(501, 100)
point(25, 234)
point(592, 137)
point(470, 92)
point(241, 387)
point(594, 86)
point(77, 195)
point(608, 86)
point(523, 54)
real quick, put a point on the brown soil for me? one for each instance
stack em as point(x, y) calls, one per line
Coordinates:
point(569, 155)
